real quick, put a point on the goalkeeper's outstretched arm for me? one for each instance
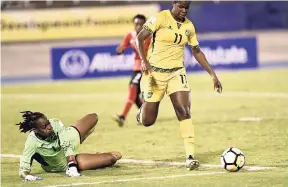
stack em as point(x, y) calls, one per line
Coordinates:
point(26, 160)
point(27, 177)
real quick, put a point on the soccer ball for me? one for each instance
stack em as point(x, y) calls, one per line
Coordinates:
point(232, 159)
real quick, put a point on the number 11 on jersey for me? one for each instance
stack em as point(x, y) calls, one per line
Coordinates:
point(176, 38)
point(183, 79)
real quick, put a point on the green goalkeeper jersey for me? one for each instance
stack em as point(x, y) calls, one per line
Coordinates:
point(51, 153)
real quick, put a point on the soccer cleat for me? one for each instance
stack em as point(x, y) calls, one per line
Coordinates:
point(120, 120)
point(192, 163)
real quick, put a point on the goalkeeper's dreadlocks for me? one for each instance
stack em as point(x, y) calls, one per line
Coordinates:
point(29, 122)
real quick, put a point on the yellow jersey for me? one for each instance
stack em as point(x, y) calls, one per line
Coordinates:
point(166, 50)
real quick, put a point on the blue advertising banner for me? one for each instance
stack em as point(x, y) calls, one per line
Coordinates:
point(102, 61)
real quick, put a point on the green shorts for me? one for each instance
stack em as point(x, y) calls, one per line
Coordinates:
point(70, 137)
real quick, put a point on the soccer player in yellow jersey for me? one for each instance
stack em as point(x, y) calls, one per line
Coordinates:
point(164, 70)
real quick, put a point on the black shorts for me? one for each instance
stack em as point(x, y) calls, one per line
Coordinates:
point(135, 79)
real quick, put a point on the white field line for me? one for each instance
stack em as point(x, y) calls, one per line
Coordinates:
point(152, 162)
point(69, 96)
point(138, 179)
point(249, 119)
point(147, 162)
point(10, 156)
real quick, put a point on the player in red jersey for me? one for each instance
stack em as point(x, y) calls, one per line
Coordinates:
point(134, 86)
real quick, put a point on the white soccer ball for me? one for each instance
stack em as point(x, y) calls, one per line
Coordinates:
point(232, 159)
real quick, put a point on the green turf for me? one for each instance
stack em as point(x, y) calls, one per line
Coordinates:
point(216, 124)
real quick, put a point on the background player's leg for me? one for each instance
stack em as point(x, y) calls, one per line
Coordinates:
point(88, 161)
point(132, 95)
point(148, 113)
point(86, 125)
point(130, 100)
point(181, 103)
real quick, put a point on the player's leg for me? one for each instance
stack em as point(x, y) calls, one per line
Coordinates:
point(88, 161)
point(181, 104)
point(152, 93)
point(138, 101)
point(147, 113)
point(132, 96)
point(86, 125)
point(179, 92)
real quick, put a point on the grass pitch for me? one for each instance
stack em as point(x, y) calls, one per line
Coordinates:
point(254, 94)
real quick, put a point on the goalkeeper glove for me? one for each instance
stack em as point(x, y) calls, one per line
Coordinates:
point(32, 178)
point(72, 170)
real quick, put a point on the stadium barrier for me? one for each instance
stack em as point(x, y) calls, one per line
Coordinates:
point(71, 23)
point(102, 61)
point(230, 16)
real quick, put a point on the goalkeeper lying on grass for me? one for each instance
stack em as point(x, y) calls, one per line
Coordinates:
point(54, 146)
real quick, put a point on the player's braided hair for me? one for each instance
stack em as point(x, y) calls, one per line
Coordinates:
point(140, 16)
point(29, 122)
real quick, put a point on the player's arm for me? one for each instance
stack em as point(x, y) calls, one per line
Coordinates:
point(152, 25)
point(72, 170)
point(124, 45)
point(67, 148)
point(26, 161)
point(200, 57)
point(70, 155)
point(141, 37)
point(147, 43)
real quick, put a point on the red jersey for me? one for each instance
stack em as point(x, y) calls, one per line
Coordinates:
point(130, 41)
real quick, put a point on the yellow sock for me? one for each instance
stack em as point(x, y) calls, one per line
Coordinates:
point(187, 133)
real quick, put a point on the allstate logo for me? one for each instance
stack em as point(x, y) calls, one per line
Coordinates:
point(74, 63)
